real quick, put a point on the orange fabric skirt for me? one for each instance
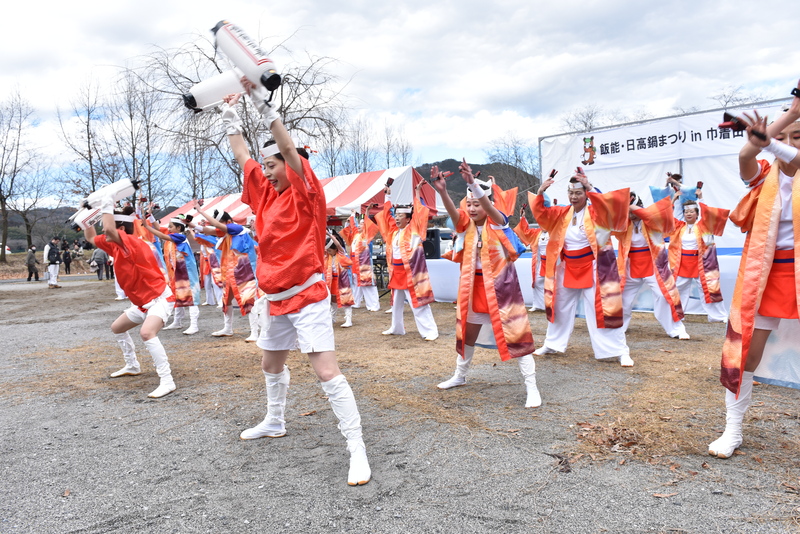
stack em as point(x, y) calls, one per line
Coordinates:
point(479, 304)
point(578, 263)
point(640, 262)
point(399, 276)
point(689, 267)
point(779, 298)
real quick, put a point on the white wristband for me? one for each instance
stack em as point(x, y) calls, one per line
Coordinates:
point(476, 190)
point(782, 151)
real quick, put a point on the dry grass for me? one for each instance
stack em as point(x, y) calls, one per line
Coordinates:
point(15, 267)
point(670, 406)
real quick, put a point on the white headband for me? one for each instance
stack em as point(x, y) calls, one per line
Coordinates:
point(271, 150)
point(403, 210)
point(329, 243)
point(124, 218)
point(177, 220)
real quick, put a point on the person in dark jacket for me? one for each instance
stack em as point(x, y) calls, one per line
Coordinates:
point(31, 261)
point(66, 257)
point(53, 262)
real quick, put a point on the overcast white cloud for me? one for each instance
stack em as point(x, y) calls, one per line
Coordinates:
point(455, 74)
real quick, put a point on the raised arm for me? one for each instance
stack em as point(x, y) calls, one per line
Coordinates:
point(233, 127)
point(152, 230)
point(211, 220)
point(478, 192)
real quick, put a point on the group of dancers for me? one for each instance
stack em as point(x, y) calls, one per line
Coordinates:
point(284, 269)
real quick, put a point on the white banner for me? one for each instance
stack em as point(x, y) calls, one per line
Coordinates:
point(684, 137)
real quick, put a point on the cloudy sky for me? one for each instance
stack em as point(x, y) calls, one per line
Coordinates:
point(454, 74)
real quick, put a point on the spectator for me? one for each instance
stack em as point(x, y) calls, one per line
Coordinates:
point(31, 261)
point(53, 258)
point(66, 257)
point(100, 257)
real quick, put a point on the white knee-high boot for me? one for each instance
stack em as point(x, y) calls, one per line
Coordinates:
point(462, 366)
point(527, 367)
point(177, 320)
point(736, 408)
point(344, 407)
point(167, 384)
point(253, 317)
point(348, 317)
point(227, 327)
point(129, 353)
point(273, 425)
point(194, 314)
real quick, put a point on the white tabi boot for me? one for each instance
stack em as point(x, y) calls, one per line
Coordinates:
point(194, 314)
point(273, 425)
point(462, 366)
point(177, 320)
point(527, 367)
point(344, 407)
point(167, 384)
point(129, 353)
point(227, 328)
point(348, 317)
point(736, 408)
point(253, 317)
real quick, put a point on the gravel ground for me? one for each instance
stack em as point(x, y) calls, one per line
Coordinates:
point(81, 452)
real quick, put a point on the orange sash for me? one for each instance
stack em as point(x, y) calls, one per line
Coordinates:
point(776, 301)
point(578, 263)
point(641, 262)
point(689, 267)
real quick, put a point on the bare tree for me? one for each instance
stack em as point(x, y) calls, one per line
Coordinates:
point(36, 196)
point(734, 96)
point(360, 153)
point(82, 133)
point(143, 149)
point(519, 160)
point(16, 155)
point(583, 119)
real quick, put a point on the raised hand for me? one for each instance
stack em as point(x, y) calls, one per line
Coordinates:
point(466, 171)
point(757, 129)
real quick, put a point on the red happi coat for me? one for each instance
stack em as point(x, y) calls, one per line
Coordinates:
point(338, 278)
point(530, 236)
point(512, 330)
point(712, 222)
point(657, 222)
point(606, 213)
point(358, 239)
point(411, 252)
point(758, 214)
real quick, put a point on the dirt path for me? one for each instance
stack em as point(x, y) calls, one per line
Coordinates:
point(611, 449)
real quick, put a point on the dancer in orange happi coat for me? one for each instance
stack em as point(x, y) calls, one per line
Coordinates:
point(580, 236)
point(488, 291)
point(767, 286)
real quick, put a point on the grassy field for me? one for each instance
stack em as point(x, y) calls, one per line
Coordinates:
point(15, 266)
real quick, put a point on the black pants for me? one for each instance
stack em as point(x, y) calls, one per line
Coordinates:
point(33, 271)
point(66, 267)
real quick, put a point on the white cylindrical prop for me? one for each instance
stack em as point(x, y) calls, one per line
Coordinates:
point(117, 191)
point(246, 55)
point(85, 218)
point(209, 93)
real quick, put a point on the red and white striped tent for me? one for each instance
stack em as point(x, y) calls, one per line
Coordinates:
point(342, 193)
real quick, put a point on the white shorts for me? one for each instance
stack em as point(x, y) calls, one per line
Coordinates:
point(309, 330)
point(160, 307)
point(478, 317)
